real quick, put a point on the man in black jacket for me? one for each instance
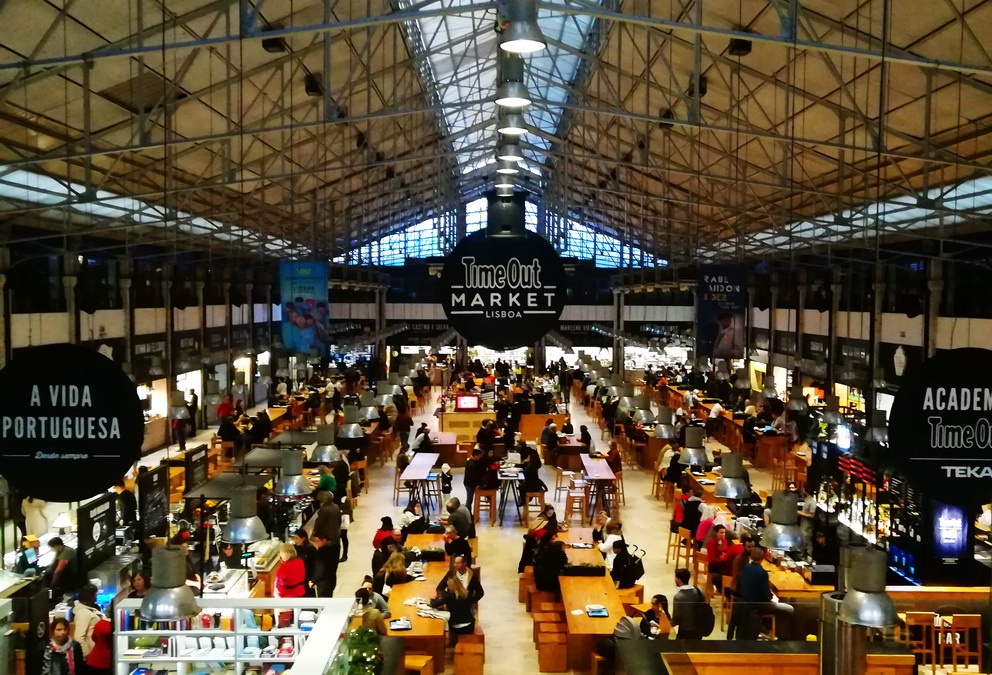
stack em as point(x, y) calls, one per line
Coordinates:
point(455, 545)
point(325, 567)
point(687, 606)
point(474, 471)
point(461, 571)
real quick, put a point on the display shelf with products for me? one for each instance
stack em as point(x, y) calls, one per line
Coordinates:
point(233, 637)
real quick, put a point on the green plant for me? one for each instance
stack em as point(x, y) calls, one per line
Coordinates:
point(358, 654)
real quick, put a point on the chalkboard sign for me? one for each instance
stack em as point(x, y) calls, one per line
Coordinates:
point(153, 502)
point(96, 521)
point(195, 461)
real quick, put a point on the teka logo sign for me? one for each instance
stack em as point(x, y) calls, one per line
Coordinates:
point(940, 429)
point(503, 292)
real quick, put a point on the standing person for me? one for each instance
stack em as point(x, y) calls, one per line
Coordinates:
point(304, 551)
point(328, 523)
point(127, 504)
point(402, 425)
point(62, 656)
point(35, 521)
point(194, 409)
point(141, 581)
point(756, 598)
point(85, 615)
point(687, 606)
point(65, 570)
point(291, 577)
point(459, 517)
point(225, 408)
point(475, 468)
point(325, 566)
point(100, 659)
point(347, 514)
point(179, 433)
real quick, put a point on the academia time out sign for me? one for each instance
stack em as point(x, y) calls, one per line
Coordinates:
point(503, 292)
point(70, 423)
point(940, 429)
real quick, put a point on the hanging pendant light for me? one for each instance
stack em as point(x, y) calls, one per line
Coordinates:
point(831, 415)
point(769, 390)
point(784, 534)
point(522, 34)
point(509, 152)
point(878, 432)
point(291, 482)
point(350, 435)
point(213, 392)
point(169, 598)
point(694, 453)
point(643, 413)
point(504, 183)
point(742, 382)
point(507, 168)
point(367, 408)
point(325, 451)
point(664, 428)
point(866, 603)
point(512, 92)
point(243, 526)
point(797, 402)
point(731, 484)
point(156, 370)
point(511, 124)
point(265, 374)
point(179, 409)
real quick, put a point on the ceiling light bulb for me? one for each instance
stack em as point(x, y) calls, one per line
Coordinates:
point(507, 168)
point(522, 35)
point(512, 94)
point(512, 124)
point(509, 152)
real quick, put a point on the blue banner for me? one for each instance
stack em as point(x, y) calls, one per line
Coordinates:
point(720, 309)
point(303, 287)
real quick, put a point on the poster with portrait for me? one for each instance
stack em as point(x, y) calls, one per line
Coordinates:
point(720, 310)
point(303, 287)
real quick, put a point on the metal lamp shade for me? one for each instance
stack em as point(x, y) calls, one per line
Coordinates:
point(693, 453)
point(325, 451)
point(591, 390)
point(664, 427)
point(866, 602)
point(244, 526)
point(350, 435)
point(742, 381)
point(513, 94)
point(385, 400)
point(523, 37)
point(784, 533)
point(731, 484)
point(292, 483)
point(832, 414)
point(878, 432)
point(169, 598)
point(643, 416)
point(769, 390)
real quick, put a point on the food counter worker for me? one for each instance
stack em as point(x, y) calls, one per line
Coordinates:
point(230, 555)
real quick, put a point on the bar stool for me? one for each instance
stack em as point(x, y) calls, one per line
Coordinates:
point(398, 487)
point(577, 502)
point(619, 486)
point(485, 498)
point(684, 553)
point(727, 600)
point(362, 466)
point(918, 632)
point(964, 638)
point(528, 498)
point(672, 546)
point(700, 567)
point(562, 482)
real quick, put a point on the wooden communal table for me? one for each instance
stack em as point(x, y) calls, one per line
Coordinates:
point(598, 472)
point(426, 635)
point(423, 541)
point(792, 585)
point(446, 445)
point(583, 631)
point(276, 413)
point(570, 452)
point(581, 556)
point(709, 491)
point(418, 473)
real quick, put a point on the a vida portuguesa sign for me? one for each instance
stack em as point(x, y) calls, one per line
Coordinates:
point(70, 423)
point(503, 292)
point(940, 428)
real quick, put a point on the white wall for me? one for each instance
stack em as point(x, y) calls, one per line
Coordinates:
point(816, 323)
point(785, 320)
point(216, 316)
point(148, 321)
point(659, 313)
point(759, 317)
point(186, 319)
point(104, 323)
point(31, 330)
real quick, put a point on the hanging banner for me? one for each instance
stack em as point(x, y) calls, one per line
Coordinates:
point(720, 310)
point(503, 292)
point(71, 423)
point(153, 502)
point(940, 427)
point(303, 287)
point(96, 525)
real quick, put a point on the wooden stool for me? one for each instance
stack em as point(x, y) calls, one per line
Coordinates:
point(969, 644)
point(362, 466)
point(619, 487)
point(701, 568)
point(545, 628)
point(419, 663)
point(577, 502)
point(667, 493)
point(684, 553)
point(633, 595)
point(597, 662)
point(544, 617)
point(470, 658)
point(771, 623)
point(562, 482)
point(478, 637)
point(490, 497)
point(399, 487)
point(552, 653)
point(535, 596)
point(727, 601)
point(672, 547)
point(551, 607)
point(523, 582)
point(919, 634)
point(528, 497)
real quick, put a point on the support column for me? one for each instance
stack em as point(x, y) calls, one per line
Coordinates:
point(935, 288)
point(170, 327)
point(5, 317)
point(199, 285)
point(875, 332)
point(227, 332)
point(250, 349)
point(69, 281)
point(772, 308)
point(268, 319)
point(801, 316)
point(749, 324)
point(835, 290)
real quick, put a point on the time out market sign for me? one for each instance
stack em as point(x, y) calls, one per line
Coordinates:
point(503, 292)
point(940, 429)
point(70, 423)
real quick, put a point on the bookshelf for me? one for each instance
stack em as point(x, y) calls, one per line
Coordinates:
point(233, 637)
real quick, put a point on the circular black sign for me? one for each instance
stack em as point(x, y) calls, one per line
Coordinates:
point(70, 423)
point(940, 428)
point(503, 292)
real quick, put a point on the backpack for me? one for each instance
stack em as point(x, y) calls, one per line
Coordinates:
point(707, 620)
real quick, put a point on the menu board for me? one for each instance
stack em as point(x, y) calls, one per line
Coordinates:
point(96, 522)
point(153, 502)
point(195, 461)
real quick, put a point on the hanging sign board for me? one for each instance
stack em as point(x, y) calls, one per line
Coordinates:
point(720, 308)
point(940, 428)
point(153, 502)
point(96, 522)
point(503, 292)
point(70, 423)
point(195, 463)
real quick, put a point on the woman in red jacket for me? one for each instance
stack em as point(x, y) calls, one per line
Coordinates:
point(98, 661)
point(291, 576)
point(718, 553)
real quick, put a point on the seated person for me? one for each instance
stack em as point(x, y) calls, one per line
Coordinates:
point(392, 573)
point(549, 559)
point(650, 618)
point(369, 599)
point(623, 572)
